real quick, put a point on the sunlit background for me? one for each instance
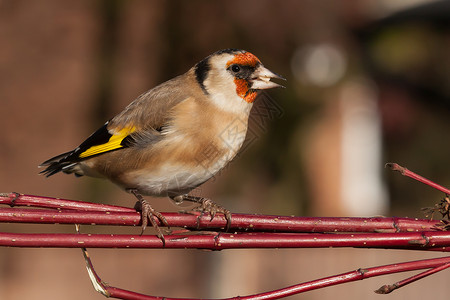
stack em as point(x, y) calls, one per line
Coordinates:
point(368, 82)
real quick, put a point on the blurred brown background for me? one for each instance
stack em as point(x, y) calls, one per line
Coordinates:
point(368, 83)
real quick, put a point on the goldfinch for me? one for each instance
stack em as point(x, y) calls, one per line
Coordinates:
point(176, 136)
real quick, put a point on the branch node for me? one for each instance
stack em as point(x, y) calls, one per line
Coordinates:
point(386, 289)
point(362, 271)
point(396, 225)
point(14, 198)
point(418, 242)
point(395, 167)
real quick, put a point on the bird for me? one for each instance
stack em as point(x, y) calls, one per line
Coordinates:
point(176, 136)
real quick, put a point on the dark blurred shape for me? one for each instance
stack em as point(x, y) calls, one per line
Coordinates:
point(422, 32)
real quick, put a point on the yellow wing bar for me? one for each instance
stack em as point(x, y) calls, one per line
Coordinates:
point(113, 143)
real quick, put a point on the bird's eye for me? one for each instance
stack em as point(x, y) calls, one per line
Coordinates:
point(235, 68)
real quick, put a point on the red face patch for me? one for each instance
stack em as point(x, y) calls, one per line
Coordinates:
point(242, 89)
point(242, 86)
point(245, 59)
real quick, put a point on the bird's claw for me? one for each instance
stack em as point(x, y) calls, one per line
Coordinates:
point(209, 206)
point(149, 213)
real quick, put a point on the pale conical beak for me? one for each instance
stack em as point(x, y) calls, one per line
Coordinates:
point(261, 79)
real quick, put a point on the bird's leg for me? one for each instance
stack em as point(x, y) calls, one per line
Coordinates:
point(206, 206)
point(148, 213)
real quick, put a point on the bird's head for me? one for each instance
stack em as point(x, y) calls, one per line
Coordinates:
point(232, 72)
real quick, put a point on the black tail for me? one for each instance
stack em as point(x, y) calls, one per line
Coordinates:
point(59, 163)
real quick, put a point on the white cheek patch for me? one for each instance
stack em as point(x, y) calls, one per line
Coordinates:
point(222, 92)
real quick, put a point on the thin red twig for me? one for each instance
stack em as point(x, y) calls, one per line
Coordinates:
point(102, 214)
point(351, 276)
point(386, 289)
point(404, 171)
point(439, 241)
point(16, 199)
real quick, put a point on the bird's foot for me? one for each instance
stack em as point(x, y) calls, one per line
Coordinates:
point(149, 213)
point(206, 206)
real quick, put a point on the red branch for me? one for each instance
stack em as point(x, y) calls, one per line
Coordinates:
point(239, 221)
point(16, 199)
point(439, 241)
point(386, 289)
point(351, 276)
point(80, 212)
point(404, 171)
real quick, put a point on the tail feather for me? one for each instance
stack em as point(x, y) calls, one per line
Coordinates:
point(59, 163)
point(57, 158)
